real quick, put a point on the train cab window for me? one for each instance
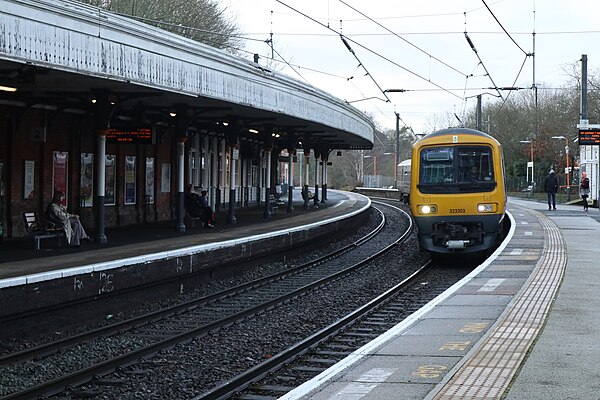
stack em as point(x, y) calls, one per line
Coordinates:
point(437, 165)
point(456, 169)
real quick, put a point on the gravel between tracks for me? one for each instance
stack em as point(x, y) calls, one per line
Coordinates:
point(189, 369)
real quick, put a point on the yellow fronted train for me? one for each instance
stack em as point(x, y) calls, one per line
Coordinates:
point(457, 192)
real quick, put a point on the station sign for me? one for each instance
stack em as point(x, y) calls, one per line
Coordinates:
point(589, 136)
point(144, 135)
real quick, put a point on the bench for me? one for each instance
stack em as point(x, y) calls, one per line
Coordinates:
point(198, 221)
point(273, 204)
point(192, 221)
point(41, 229)
point(307, 196)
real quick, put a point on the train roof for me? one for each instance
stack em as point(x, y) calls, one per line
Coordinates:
point(403, 163)
point(457, 131)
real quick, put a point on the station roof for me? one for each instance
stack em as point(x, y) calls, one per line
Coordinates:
point(65, 53)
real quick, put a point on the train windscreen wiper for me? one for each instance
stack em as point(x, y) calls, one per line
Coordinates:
point(447, 174)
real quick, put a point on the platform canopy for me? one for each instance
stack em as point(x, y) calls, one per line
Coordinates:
point(59, 55)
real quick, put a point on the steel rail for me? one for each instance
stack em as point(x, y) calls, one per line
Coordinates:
point(103, 368)
point(52, 347)
point(242, 381)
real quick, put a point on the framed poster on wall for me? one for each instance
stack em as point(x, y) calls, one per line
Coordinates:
point(110, 179)
point(29, 184)
point(165, 182)
point(60, 167)
point(149, 180)
point(130, 180)
point(87, 180)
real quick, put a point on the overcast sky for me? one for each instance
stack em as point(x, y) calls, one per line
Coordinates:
point(420, 46)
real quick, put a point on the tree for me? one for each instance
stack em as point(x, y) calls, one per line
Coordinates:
point(202, 20)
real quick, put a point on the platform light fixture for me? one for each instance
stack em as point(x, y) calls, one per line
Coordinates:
point(8, 89)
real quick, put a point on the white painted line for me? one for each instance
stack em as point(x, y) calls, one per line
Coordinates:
point(182, 252)
point(524, 223)
point(491, 285)
point(528, 233)
point(516, 252)
point(357, 356)
point(365, 383)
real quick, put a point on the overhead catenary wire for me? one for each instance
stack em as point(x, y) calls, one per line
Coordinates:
point(482, 64)
point(514, 82)
point(363, 66)
point(401, 38)
point(289, 65)
point(369, 50)
point(505, 31)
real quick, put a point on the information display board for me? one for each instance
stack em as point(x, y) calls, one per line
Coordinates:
point(130, 135)
point(589, 136)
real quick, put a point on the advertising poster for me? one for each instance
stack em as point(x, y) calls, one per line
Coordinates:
point(60, 164)
point(87, 180)
point(165, 182)
point(29, 183)
point(129, 180)
point(149, 180)
point(111, 175)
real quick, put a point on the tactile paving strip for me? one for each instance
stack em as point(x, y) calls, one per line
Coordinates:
point(487, 373)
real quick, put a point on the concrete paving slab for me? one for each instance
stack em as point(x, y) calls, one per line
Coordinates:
point(442, 326)
point(474, 311)
point(432, 346)
point(468, 299)
point(402, 369)
point(363, 391)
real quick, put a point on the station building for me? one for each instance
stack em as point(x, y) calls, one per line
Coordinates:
point(121, 116)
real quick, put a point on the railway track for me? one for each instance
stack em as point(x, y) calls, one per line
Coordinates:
point(301, 362)
point(79, 360)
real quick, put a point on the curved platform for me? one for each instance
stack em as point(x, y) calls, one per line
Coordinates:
point(154, 252)
point(504, 330)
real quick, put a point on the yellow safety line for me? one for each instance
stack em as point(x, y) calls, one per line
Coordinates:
point(487, 373)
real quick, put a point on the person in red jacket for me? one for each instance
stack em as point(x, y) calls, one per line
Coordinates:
point(584, 190)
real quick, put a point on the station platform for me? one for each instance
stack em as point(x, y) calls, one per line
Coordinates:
point(523, 325)
point(156, 251)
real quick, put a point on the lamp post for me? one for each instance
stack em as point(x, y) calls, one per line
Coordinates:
point(530, 142)
point(568, 172)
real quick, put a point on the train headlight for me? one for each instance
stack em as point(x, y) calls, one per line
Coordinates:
point(428, 209)
point(487, 207)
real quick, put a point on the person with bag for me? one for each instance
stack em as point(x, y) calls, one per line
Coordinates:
point(584, 190)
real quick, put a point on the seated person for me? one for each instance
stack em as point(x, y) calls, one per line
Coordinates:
point(207, 212)
point(57, 213)
point(197, 206)
point(471, 174)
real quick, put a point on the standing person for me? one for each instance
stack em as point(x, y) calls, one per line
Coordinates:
point(192, 202)
point(551, 187)
point(58, 214)
point(206, 210)
point(584, 189)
